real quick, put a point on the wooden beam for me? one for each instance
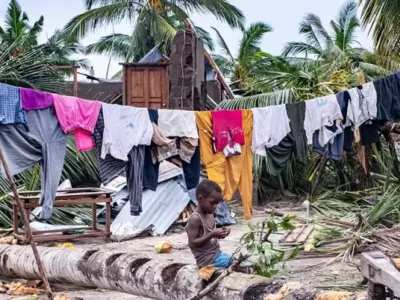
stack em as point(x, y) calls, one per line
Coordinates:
point(220, 77)
point(75, 85)
point(27, 226)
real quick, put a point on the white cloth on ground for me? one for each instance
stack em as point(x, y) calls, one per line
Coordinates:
point(321, 112)
point(124, 128)
point(363, 105)
point(178, 123)
point(270, 126)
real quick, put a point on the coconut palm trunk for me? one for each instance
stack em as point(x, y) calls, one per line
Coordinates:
point(129, 273)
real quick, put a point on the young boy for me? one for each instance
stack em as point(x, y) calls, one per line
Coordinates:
point(202, 231)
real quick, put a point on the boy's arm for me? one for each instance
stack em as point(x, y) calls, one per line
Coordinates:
point(193, 231)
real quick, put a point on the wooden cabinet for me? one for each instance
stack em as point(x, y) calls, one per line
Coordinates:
point(146, 85)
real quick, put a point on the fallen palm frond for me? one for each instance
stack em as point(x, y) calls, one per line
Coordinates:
point(373, 218)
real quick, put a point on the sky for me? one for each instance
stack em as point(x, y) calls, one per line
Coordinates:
point(283, 15)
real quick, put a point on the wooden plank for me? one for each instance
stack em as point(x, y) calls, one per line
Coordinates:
point(61, 203)
point(298, 235)
point(59, 230)
point(75, 83)
point(64, 196)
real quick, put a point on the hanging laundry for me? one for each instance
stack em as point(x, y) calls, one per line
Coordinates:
point(271, 125)
point(44, 143)
point(279, 155)
point(363, 105)
point(124, 128)
point(80, 116)
point(191, 170)
point(233, 172)
point(370, 132)
point(321, 112)
point(296, 114)
point(109, 167)
point(134, 179)
point(388, 93)
point(11, 111)
point(151, 167)
point(32, 99)
point(165, 147)
point(334, 147)
point(187, 148)
point(228, 134)
point(178, 123)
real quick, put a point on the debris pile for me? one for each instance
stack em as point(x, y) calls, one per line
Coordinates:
point(20, 289)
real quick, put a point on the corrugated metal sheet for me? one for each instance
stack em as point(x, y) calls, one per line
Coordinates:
point(160, 210)
point(167, 171)
point(153, 56)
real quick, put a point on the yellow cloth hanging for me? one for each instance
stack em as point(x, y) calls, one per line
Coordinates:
point(233, 172)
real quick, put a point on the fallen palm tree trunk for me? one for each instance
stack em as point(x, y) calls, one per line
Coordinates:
point(127, 273)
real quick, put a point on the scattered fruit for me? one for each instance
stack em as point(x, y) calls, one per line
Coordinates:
point(163, 247)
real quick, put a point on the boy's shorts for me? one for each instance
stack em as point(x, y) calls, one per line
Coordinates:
point(222, 261)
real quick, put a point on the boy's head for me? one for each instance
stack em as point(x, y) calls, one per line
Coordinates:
point(209, 195)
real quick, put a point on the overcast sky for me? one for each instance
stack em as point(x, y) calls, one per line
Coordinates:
point(283, 15)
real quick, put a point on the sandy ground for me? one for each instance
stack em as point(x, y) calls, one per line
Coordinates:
point(310, 272)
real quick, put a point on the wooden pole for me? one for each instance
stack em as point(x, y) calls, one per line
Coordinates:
point(27, 227)
point(75, 84)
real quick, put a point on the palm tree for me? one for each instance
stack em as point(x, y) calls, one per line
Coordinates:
point(382, 18)
point(241, 69)
point(155, 21)
point(17, 28)
point(18, 36)
point(143, 38)
point(338, 50)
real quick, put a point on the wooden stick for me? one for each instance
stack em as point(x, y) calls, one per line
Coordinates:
point(27, 228)
point(215, 283)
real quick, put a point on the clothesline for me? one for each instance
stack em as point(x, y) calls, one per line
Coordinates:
point(135, 140)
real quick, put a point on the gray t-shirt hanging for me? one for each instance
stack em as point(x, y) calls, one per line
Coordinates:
point(44, 143)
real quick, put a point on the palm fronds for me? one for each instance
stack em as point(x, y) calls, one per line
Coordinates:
point(382, 19)
point(261, 100)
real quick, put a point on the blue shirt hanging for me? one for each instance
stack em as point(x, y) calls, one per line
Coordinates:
point(11, 111)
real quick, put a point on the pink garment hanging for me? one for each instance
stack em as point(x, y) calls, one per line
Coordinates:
point(227, 128)
point(78, 115)
point(32, 99)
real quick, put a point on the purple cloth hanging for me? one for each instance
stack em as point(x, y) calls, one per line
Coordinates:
point(32, 99)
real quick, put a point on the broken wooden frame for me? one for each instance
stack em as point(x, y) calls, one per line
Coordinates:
point(69, 197)
point(75, 76)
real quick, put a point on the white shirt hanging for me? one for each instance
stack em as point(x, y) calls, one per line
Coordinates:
point(178, 123)
point(321, 112)
point(363, 105)
point(124, 128)
point(270, 126)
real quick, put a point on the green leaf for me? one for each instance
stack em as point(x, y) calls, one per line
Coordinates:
point(251, 226)
point(272, 226)
point(294, 253)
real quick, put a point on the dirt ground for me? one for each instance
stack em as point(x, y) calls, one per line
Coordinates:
point(310, 272)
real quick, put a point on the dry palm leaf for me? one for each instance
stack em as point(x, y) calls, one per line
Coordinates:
point(18, 289)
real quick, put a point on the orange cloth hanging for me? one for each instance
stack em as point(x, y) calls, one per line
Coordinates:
point(233, 172)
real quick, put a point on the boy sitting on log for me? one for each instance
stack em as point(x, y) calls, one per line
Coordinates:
point(202, 231)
